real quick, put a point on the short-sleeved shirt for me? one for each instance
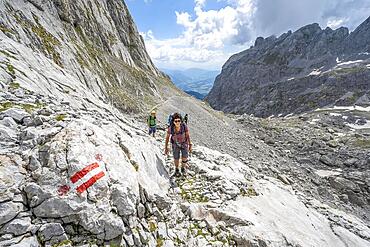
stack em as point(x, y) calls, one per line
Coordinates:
point(179, 137)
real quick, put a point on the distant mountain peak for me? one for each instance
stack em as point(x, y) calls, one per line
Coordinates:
point(295, 72)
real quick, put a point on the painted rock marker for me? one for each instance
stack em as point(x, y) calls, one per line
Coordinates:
point(86, 177)
point(83, 179)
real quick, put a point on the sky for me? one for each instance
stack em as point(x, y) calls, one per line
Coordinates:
point(181, 34)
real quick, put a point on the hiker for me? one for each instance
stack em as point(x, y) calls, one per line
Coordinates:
point(152, 123)
point(180, 140)
point(186, 119)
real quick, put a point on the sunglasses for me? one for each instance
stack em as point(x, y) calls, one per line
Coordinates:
point(177, 121)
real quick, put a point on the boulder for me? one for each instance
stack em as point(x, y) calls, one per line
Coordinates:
point(16, 114)
point(52, 233)
point(124, 200)
point(17, 226)
point(9, 210)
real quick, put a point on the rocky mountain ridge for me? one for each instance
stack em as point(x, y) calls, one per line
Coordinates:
point(296, 72)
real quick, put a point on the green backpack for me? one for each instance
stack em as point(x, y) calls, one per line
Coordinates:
point(152, 121)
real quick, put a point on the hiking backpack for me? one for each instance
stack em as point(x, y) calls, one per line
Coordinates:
point(152, 120)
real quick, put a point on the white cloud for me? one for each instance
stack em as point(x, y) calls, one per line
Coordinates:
point(214, 29)
point(178, 51)
point(211, 36)
point(207, 36)
point(335, 23)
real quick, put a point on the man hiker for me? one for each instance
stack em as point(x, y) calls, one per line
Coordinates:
point(152, 123)
point(180, 140)
point(186, 119)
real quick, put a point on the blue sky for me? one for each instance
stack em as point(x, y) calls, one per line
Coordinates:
point(183, 34)
point(160, 17)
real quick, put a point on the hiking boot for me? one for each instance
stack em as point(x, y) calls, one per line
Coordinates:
point(183, 171)
point(177, 173)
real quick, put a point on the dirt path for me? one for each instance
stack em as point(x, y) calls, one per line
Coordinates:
point(215, 130)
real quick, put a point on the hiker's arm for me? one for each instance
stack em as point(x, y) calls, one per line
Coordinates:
point(166, 143)
point(188, 138)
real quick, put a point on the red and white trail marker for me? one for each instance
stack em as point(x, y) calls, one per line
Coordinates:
point(83, 179)
point(86, 177)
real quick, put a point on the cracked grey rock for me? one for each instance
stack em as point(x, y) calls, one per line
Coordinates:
point(50, 230)
point(141, 211)
point(17, 226)
point(26, 242)
point(124, 201)
point(7, 135)
point(52, 233)
point(9, 210)
point(9, 122)
point(17, 114)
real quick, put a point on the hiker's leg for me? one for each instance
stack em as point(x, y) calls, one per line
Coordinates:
point(184, 162)
point(176, 155)
point(177, 163)
point(184, 157)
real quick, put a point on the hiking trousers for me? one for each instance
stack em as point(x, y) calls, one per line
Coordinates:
point(183, 149)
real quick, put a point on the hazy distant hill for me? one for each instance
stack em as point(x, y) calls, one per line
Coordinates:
point(194, 80)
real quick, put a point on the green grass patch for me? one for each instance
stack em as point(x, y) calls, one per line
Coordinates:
point(10, 69)
point(152, 226)
point(312, 104)
point(114, 245)
point(178, 241)
point(135, 165)
point(5, 106)
point(249, 192)
point(8, 54)
point(47, 40)
point(5, 29)
point(160, 241)
point(192, 194)
point(344, 71)
point(14, 85)
point(60, 117)
point(63, 243)
point(27, 107)
point(362, 143)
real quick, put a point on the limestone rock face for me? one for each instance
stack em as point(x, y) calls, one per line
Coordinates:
point(72, 177)
point(65, 47)
point(296, 72)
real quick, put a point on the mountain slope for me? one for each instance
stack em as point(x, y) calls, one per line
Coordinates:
point(296, 72)
point(95, 44)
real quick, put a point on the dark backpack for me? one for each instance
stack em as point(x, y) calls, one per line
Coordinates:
point(186, 119)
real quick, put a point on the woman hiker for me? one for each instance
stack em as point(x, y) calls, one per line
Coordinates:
point(180, 140)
